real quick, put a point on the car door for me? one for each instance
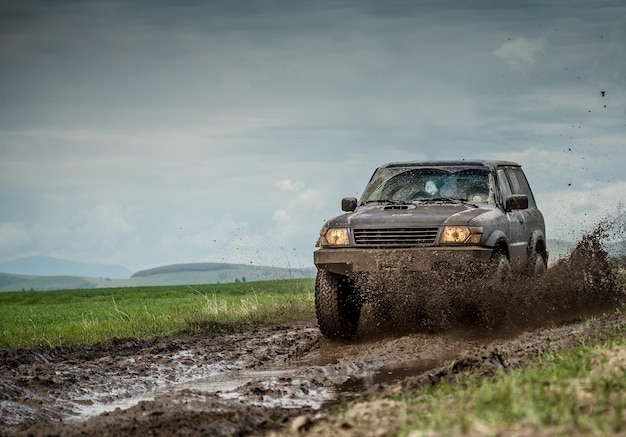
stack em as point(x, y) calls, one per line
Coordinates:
point(516, 219)
point(532, 217)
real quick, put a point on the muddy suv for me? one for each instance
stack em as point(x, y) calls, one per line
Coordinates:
point(434, 217)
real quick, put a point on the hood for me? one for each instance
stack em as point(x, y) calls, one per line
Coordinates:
point(409, 216)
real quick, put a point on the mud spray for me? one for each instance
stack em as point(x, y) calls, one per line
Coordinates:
point(584, 283)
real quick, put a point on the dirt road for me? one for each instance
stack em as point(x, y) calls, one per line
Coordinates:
point(279, 379)
point(236, 384)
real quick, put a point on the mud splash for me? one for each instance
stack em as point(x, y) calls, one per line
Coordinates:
point(583, 283)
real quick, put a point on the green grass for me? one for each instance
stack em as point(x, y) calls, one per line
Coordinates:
point(92, 315)
point(580, 391)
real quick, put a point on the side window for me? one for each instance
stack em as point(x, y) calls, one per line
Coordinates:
point(519, 184)
point(503, 184)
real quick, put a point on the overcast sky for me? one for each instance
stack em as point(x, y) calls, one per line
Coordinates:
point(145, 133)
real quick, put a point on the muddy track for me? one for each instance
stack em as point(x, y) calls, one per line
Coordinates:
point(284, 378)
point(245, 383)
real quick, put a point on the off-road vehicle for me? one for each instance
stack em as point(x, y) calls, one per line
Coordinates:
point(427, 217)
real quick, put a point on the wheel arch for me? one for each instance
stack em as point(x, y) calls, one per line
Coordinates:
point(498, 241)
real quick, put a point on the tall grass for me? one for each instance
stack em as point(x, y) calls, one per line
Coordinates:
point(222, 313)
point(88, 316)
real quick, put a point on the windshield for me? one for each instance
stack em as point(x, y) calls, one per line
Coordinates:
point(399, 185)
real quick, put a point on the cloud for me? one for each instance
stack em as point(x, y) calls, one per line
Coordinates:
point(289, 185)
point(520, 53)
point(12, 236)
point(107, 218)
point(281, 215)
point(64, 227)
point(312, 196)
point(296, 209)
point(307, 196)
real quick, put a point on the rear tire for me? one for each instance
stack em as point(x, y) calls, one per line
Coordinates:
point(337, 305)
point(538, 265)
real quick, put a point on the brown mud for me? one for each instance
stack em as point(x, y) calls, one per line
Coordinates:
point(583, 283)
point(285, 379)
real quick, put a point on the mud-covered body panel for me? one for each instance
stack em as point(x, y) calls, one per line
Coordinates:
point(351, 261)
point(412, 215)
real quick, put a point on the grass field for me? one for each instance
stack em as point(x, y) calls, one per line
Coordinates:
point(581, 391)
point(91, 315)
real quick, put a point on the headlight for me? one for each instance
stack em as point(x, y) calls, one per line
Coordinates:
point(334, 237)
point(461, 235)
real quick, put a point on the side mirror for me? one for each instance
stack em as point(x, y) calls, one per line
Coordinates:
point(348, 204)
point(516, 201)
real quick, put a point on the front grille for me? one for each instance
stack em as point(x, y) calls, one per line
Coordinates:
point(395, 237)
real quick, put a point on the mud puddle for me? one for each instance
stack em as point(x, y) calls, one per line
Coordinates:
point(311, 383)
point(224, 384)
point(387, 375)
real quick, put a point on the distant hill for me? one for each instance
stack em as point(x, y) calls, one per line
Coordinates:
point(177, 274)
point(212, 273)
point(11, 282)
point(48, 266)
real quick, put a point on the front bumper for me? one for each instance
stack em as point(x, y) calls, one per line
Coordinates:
point(349, 260)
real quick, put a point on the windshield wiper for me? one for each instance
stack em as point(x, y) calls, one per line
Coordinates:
point(452, 200)
point(389, 202)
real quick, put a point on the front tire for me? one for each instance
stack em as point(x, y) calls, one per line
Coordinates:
point(501, 267)
point(337, 305)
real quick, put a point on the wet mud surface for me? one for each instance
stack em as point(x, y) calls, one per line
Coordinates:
point(245, 383)
point(282, 379)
